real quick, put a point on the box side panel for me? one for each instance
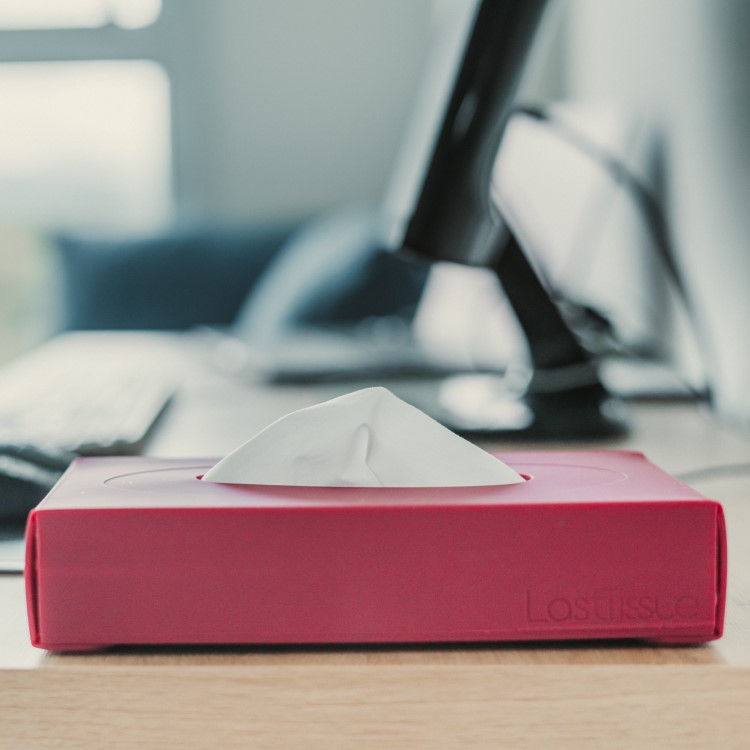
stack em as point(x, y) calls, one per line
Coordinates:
point(30, 576)
point(379, 574)
point(720, 588)
point(722, 565)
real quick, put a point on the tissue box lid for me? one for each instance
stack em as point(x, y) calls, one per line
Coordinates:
point(553, 477)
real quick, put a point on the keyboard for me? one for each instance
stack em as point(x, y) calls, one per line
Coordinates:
point(89, 393)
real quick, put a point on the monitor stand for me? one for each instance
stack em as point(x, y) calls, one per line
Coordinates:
point(560, 397)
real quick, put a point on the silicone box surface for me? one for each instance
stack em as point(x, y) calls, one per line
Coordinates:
point(593, 545)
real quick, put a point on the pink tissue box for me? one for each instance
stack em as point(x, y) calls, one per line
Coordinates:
point(593, 545)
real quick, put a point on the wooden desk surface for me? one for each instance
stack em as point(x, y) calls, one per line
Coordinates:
point(580, 695)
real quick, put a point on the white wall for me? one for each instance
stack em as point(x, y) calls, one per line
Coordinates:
point(686, 63)
point(301, 106)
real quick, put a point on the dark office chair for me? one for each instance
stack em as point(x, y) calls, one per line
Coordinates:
point(169, 281)
point(328, 271)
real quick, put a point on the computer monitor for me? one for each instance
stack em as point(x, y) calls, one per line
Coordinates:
point(439, 208)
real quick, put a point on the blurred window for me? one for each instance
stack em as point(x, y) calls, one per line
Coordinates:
point(58, 14)
point(84, 144)
point(85, 139)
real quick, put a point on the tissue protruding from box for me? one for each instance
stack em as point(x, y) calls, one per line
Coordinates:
point(369, 438)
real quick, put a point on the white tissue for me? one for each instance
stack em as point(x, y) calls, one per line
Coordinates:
point(369, 438)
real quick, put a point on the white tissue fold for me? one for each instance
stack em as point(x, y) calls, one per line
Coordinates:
point(369, 438)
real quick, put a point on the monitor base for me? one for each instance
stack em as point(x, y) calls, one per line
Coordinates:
point(488, 406)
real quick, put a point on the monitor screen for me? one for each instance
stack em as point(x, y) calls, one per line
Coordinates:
point(438, 202)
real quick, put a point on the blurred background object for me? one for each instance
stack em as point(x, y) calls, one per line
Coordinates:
point(132, 118)
point(147, 131)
